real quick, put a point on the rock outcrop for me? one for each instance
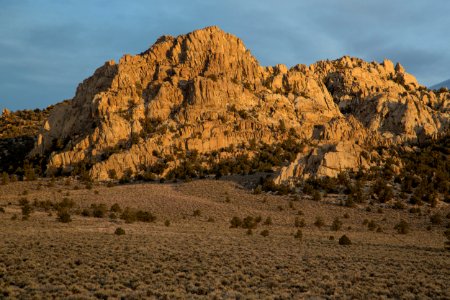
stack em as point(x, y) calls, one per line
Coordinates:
point(205, 92)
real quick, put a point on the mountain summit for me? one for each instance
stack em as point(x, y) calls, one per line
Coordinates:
point(200, 99)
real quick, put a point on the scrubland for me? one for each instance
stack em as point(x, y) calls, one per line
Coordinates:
point(190, 251)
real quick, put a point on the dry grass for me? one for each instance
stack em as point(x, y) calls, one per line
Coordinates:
point(197, 258)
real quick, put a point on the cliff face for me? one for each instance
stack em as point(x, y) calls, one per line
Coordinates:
point(204, 91)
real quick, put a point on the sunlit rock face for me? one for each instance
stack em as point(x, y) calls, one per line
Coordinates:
point(205, 91)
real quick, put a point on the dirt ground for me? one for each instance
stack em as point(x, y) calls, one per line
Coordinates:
point(198, 255)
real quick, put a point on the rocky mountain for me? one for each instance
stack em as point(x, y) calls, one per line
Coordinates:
point(443, 84)
point(197, 100)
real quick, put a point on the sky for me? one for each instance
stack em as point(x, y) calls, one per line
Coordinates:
point(47, 47)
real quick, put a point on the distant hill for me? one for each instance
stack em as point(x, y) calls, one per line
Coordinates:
point(440, 85)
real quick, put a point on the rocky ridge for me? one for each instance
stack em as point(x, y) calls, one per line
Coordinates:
point(205, 93)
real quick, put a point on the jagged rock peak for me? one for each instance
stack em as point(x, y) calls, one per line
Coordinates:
point(205, 92)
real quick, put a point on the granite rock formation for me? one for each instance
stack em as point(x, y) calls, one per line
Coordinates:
point(204, 92)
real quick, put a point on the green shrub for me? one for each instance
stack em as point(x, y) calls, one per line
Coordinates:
point(119, 231)
point(344, 240)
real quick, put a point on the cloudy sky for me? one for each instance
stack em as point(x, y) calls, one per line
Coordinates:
point(48, 46)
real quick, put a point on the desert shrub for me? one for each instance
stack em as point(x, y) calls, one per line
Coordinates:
point(372, 225)
point(64, 216)
point(211, 220)
point(26, 211)
point(414, 210)
point(86, 212)
point(119, 231)
point(113, 216)
point(345, 240)
point(268, 221)
point(317, 196)
point(145, 216)
point(319, 222)
point(167, 223)
point(265, 233)
point(447, 243)
point(299, 222)
point(128, 215)
point(436, 219)
point(196, 213)
point(235, 222)
point(336, 225)
point(258, 219)
point(298, 234)
point(257, 190)
point(398, 205)
point(346, 216)
point(349, 202)
point(2, 210)
point(14, 217)
point(249, 223)
point(65, 203)
point(402, 227)
point(99, 210)
point(249, 231)
point(115, 208)
point(5, 178)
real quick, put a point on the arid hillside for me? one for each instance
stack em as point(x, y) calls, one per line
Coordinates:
point(209, 239)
